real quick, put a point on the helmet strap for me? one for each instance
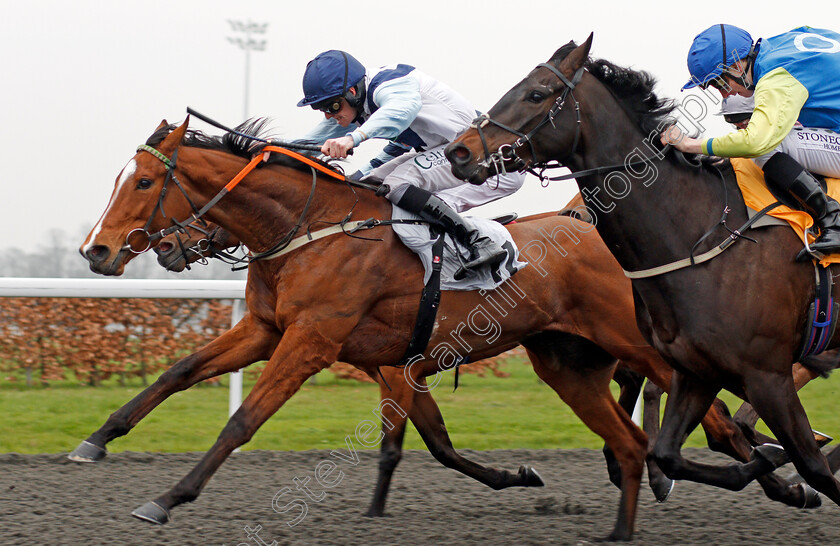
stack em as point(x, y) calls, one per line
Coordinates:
point(745, 66)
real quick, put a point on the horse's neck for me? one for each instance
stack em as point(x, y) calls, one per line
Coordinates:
point(649, 214)
point(270, 200)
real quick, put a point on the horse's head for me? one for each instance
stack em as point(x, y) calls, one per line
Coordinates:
point(137, 206)
point(177, 250)
point(535, 121)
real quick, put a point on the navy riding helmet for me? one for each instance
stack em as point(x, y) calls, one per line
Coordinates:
point(330, 75)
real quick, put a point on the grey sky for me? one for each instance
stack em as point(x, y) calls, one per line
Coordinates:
point(84, 82)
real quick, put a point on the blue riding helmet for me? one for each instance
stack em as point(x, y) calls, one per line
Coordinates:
point(330, 75)
point(713, 49)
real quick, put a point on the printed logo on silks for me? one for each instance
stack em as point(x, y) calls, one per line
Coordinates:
point(430, 159)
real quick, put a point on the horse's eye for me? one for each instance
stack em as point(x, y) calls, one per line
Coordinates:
point(536, 96)
point(144, 184)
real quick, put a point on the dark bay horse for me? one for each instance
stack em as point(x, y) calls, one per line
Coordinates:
point(735, 322)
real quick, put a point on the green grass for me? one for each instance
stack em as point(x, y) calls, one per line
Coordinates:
point(484, 413)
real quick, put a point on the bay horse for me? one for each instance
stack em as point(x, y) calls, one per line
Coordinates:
point(735, 322)
point(365, 313)
point(338, 298)
point(198, 243)
point(178, 250)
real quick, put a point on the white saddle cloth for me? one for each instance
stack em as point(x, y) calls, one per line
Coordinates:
point(418, 238)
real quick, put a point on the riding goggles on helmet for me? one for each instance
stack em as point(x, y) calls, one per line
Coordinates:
point(329, 106)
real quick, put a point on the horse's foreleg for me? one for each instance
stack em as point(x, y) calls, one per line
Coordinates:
point(688, 402)
point(244, 344)
point(660, 484)
point(775, 400)
point(302, 353)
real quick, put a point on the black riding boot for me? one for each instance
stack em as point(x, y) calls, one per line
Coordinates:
point(483, 250)
point(797, 188)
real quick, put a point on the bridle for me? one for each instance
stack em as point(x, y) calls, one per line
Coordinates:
point(197, 213)
point(177, 226)
point(506, 154)
point(207, 246)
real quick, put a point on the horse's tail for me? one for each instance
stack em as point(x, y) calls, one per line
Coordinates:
point(822, 364)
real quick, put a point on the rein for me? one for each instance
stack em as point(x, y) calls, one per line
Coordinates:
point(288, 242)
point(507, 154)
point(197, 215)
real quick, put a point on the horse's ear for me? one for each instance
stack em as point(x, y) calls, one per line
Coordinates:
point(163, 125)
point(174, 138)
point(578, 57)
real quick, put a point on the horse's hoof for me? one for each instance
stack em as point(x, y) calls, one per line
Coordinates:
point(87, 453)
point(812, 497)
point(662, 489)
point(821, 439)
point(616, 536)
point(152, 512)
point(772, 453)
point(530, 477)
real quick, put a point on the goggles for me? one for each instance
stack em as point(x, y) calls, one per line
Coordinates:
point(329, 106)
point(718, 83)
point(736, 118)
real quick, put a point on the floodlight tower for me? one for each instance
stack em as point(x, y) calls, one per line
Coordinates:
point(244, 39)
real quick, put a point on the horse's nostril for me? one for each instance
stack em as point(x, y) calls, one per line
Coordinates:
point(97, 253)
point(459, 154)
point(164, 248)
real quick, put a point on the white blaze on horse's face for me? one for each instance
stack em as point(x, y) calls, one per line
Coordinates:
point(127, 172)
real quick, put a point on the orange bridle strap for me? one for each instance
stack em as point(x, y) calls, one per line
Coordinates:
point(266, 153)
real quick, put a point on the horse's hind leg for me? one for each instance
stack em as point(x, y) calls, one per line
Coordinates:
point(426, 417)
point(302, 353)
point(244, 344)
point(584, 386)
point(394, 420)
point(417, 404)
point(630, 384)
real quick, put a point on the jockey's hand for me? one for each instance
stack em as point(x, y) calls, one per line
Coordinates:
point(679, 140)
point(338, 147)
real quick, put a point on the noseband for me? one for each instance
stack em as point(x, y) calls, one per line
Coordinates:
point(506, 154)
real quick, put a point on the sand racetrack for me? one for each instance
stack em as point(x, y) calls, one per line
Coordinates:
point(46, 499)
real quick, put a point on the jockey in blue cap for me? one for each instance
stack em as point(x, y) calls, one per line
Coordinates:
point(413, 111)
point(792, 76)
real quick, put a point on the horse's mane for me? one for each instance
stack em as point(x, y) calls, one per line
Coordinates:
point(234, 144)
point(632, 88)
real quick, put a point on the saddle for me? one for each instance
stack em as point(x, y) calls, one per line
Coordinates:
point(823, 312)
point(756, 195)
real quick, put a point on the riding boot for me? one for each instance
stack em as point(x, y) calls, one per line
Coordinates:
point(482, 249)
point(797, 188)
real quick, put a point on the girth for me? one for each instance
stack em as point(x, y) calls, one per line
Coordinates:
point(822, 315)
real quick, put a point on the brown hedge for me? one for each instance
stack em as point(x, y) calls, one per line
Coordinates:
point(93, 339)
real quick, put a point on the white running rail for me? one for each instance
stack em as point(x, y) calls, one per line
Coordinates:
point(24, 287)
